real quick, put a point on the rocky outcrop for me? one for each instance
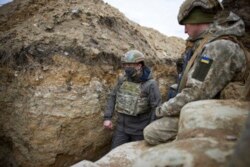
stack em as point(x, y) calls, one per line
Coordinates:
point(125, 155)
point(206, 137)
point(50, 118)
point(59, 60)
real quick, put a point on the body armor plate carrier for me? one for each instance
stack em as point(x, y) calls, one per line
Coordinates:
point(130, 100)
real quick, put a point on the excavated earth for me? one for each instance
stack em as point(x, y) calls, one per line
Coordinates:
point(59, 60)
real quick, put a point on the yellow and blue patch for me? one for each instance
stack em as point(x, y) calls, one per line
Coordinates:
point(202, 68)
point(205, 59)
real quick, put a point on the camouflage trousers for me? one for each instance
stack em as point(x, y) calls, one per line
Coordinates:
point(161, 130)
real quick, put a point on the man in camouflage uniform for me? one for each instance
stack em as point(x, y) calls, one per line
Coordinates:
point(135, 98)
point(210, 63)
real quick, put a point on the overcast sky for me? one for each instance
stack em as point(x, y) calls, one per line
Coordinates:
point(4, 1)
point(158, 14)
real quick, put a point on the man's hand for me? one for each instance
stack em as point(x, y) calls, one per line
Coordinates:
point(158, 112)
point(108, 124)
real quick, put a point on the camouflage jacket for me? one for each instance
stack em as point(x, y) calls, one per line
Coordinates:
point(219, 62)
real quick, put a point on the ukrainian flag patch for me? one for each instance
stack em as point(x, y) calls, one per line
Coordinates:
point(205, 59)
point(202, 68)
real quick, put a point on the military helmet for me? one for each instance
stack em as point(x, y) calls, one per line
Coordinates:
point(208, 9)
point(133, 56)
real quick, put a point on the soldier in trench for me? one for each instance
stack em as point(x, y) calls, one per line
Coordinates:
point(135, 98)
point(212, 61)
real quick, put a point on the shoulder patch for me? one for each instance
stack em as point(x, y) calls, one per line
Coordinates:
point(205, 59)
point(202, 68)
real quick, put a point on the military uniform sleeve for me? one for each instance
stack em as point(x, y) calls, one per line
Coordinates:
point(212, 71)
point(154, 98)
point(112, 100)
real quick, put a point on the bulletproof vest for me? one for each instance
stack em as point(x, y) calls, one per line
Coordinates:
point(130, 100)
